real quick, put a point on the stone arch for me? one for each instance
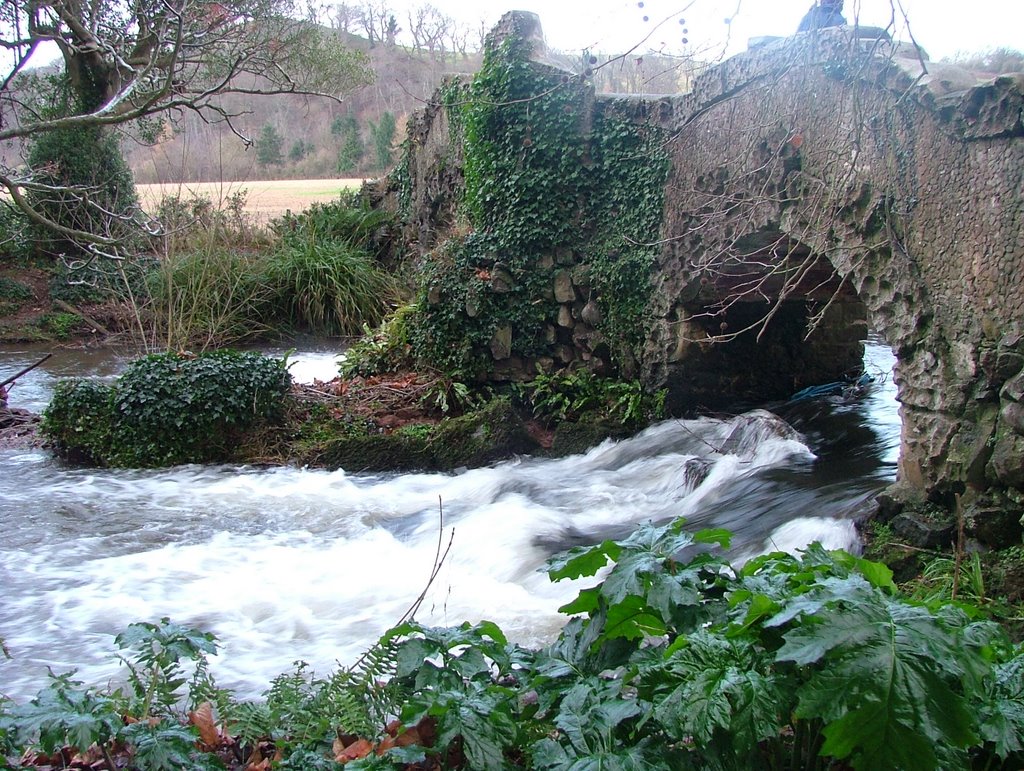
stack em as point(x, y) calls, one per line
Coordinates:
point(855, 154)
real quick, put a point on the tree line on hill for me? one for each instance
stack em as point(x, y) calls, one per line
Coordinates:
point(409, 54)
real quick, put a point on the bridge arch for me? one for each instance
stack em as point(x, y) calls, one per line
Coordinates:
point(851, 176)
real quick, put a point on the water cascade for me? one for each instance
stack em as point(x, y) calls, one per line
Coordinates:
point(287, 564)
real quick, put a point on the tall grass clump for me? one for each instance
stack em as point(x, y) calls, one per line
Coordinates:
point(208, 298)
point(223, 279)
point(326, 271)
point(207, 290)
point(328, 286)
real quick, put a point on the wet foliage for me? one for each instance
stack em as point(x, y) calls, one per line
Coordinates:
point(674, 660)
point(166, 409)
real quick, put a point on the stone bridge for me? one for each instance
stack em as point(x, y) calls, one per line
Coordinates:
point(818, 189)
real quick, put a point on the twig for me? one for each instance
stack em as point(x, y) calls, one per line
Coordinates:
point(959, 555)
point(439, 558)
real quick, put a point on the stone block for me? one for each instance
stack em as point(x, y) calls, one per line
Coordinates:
point(1014, 388)
point(921, 532)
point(564, 256)
point(565, 353)
point(1012, 415)
point(564, 291)
point(501, 342)
point(565, 319)
point(1006, 464)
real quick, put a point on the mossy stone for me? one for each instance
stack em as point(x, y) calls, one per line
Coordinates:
point(490, 434)
point(378, 452)
point(587, 432)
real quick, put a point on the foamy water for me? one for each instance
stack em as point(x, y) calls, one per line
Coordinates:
point(293, 564)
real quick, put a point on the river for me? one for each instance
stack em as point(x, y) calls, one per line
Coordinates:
point(287, 564)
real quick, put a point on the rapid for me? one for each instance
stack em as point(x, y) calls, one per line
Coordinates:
point(289, 564)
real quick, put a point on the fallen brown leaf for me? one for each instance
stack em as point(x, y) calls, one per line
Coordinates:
point(202, 719)
point(357, 749)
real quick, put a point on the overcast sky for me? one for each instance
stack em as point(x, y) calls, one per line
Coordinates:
point(712, 28)
point(942, 27)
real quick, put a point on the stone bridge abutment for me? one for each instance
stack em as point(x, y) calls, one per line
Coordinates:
point(850, 176)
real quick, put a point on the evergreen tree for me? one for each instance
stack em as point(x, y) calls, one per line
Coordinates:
point(269, 147)
point(383, 134)
point(88, 186)
point(299, 150)
point(352, 150)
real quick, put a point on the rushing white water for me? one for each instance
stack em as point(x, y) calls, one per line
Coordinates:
point(285, 564)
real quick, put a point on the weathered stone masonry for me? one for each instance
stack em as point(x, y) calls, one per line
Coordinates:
point(836, 175)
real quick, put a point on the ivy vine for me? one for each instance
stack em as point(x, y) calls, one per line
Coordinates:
point(551, 183)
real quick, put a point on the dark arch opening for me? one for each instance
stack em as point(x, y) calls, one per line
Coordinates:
point(746, 335)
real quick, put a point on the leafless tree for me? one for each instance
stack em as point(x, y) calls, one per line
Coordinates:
point(346, 16)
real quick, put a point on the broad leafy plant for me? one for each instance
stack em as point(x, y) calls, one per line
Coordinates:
point(558, 397)
point(679, 660)
point(675, 659)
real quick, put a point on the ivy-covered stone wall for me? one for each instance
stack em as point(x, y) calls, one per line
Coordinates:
point(536, 210)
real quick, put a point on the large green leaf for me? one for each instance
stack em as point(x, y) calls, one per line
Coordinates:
point(884, 676)
point(582, 561)
point(1001, 711)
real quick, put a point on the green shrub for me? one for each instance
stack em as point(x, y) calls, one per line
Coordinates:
point(678, 660)
point(195, 223)
point(385, 349)
point(89, 158)
point(325, 272)
point(96, 280)
point(79, 420)
point(13, 294)
point(14, 291)
point(560, 397)
point(61, 325)
point(15, 236)
point(174, 409)
point(167, 409)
